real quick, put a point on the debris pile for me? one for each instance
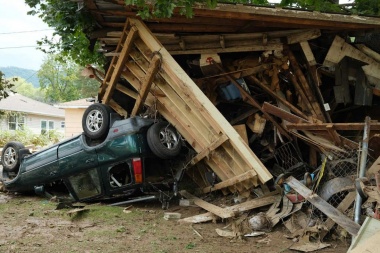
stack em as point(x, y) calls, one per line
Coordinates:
point(286, 126)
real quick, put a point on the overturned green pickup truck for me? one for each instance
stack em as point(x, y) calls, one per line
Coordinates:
point(113, 158)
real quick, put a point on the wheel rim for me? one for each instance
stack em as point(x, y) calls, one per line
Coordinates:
point(168, 138)
point(10, 158)
point(94, 121)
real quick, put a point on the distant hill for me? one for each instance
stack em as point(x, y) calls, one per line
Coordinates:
point(28, 74)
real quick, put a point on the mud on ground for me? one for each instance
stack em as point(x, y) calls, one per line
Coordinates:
point(32, 224)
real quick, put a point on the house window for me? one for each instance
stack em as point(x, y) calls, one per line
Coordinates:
point(62, 124)
point(46, 126)
point(16, 122)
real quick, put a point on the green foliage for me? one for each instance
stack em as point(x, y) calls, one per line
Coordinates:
point(313, 5)
point(62, 81)
point(28, 90)
point(27, 137)
point(165, 8)
point(5, 86)
point(367, 7)
point(71, 24)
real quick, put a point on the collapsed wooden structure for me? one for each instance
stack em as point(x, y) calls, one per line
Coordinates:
point(256, 92)
point(162, 83)
point(148, 68)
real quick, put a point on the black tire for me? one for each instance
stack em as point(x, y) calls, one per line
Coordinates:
point(10, 157)
point(163, 140)
point(336, 186)
point(96, 121)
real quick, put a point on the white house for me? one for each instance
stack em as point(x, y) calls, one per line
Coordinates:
point(21, 112)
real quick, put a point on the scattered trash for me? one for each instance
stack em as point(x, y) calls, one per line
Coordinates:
point(171, 216)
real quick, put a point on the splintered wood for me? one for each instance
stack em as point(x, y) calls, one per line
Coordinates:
point(159, 81)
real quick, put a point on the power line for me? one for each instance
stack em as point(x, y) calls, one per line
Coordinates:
point(28, 31)
point(22, 47)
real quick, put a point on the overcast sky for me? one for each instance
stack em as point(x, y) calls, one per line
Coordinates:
point(15, 27)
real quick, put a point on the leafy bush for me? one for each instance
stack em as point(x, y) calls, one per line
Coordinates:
point(27, 137)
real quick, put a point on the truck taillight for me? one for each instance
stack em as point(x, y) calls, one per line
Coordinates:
point(137, 168)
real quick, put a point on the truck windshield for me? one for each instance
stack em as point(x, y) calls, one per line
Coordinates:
point(86, 184)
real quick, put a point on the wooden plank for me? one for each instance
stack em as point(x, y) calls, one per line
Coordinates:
point(120, 110)
point(342, 220)
point(303, 36)
point(204, 217)
point(343, 206)
point(118, 68)
point(209, 149)
point(126, 91)
point(230, 182)
point(239, 208)
point(308, 53)
point(146, 84)
point(337, 126)
point(368, 238)
point(221, 212)
point(275, 96)
point(250, 100)
point(333, 134)
point(339, 49)
point(278, 112)
point(369, 52)
point(242, 131)
point(305, 105)
point(252, 48)
point(243, 116)
point(317, 111)
point(375, 167)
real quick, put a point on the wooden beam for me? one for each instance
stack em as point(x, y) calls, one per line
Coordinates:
point(209, 149)
point(146, 84)
point(117, 108)
point(221, 212)
point(349, 225)
point(317, 111)
point(339, 49)
point(375, 167)
point(308, 53)
point(252, 48)
point(250, 100)
point(231, 181)
point(337, 126)
point(243, 116)
point(369, 52)
point(282, 114)
point(127, 91)
point(275, 96)
point(239, 208)
point(343, 206)
point(303, 36)
point(118, 68)
point(333, 134)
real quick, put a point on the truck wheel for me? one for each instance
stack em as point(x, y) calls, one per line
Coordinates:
point(10, 158)
point(96, 120)
point(163, 140)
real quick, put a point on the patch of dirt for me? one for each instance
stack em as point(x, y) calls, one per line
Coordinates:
point(31, 224)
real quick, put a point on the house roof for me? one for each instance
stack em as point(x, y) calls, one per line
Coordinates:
point(80, 103)
point(20, 103)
